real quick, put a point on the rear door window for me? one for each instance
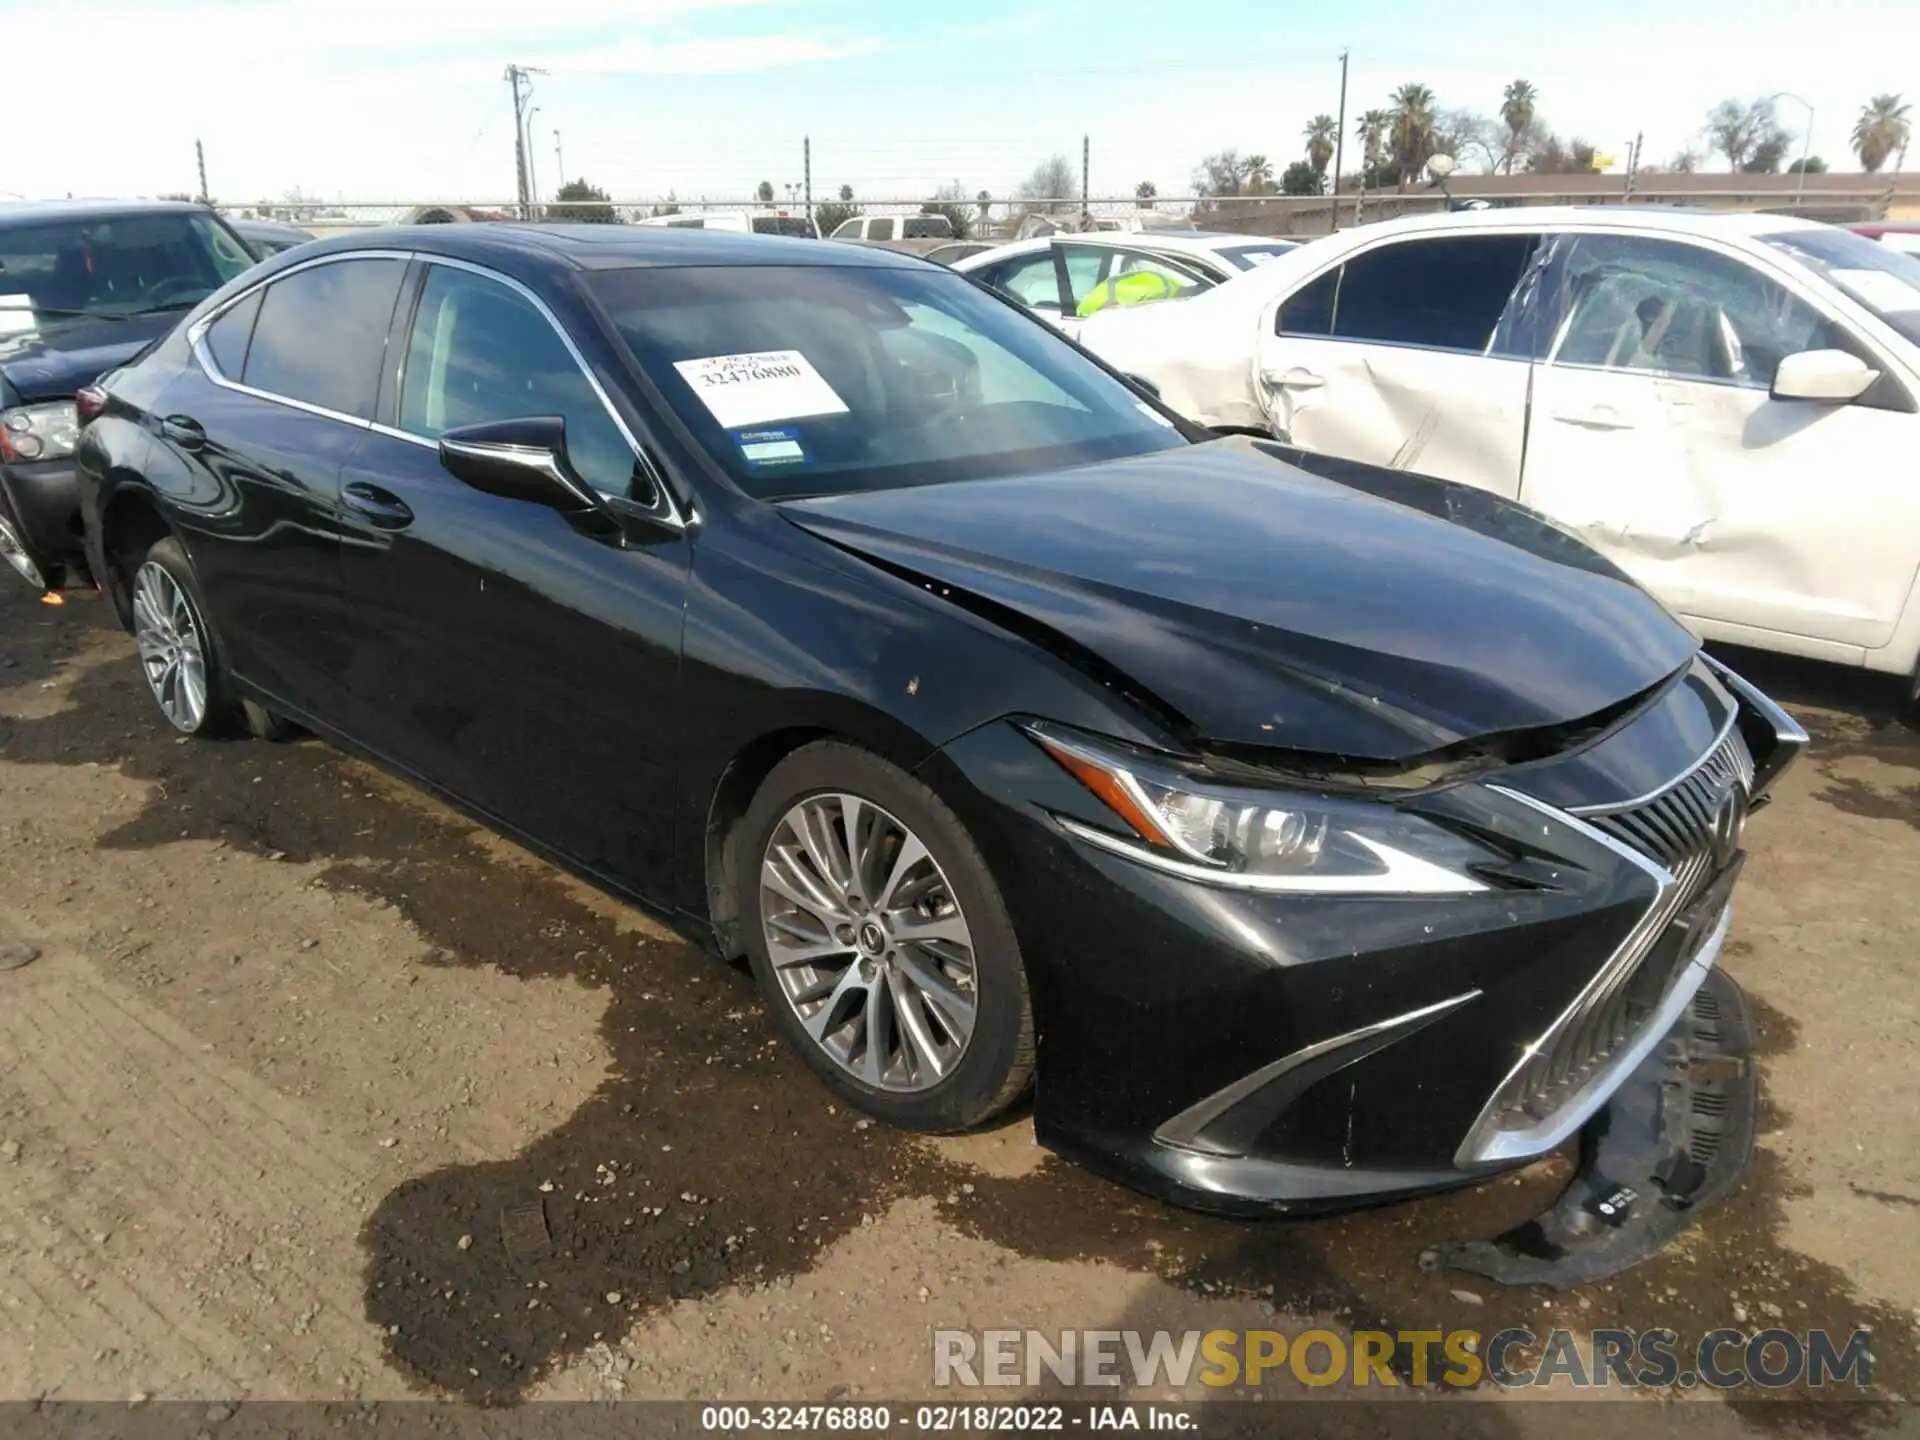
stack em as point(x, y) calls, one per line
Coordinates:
point(227, 337)
point(1031, 280)
point(321, 333)
point(881, 229)
point(1444, 292)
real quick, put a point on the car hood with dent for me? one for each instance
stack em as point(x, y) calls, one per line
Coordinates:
point(1268, 607)
point(54, 362)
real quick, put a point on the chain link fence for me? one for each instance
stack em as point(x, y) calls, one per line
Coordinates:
point(1839, 199)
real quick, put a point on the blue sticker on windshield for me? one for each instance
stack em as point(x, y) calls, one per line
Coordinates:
point(779, 446)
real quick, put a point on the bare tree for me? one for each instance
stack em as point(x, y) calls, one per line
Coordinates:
point(1736, 128)
point(951, 201)
point(1050, 188)
point(1222, 173)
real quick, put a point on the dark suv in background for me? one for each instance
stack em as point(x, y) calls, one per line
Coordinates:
point(84, 286)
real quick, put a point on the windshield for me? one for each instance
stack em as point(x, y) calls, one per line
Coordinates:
point(819, 379)
point(112, 268)
point(1876, 276)
point(1245, 257)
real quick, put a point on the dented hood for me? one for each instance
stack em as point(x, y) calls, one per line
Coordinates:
point(1266, 606)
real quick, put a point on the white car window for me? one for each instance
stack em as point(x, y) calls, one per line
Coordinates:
point(1629, 302)
point(1030, 280)
point(849, 229)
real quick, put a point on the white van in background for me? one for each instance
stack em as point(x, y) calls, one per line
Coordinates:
point(739, 222)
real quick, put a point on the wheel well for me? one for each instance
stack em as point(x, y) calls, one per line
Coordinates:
point(129, 529)
point(739, 783)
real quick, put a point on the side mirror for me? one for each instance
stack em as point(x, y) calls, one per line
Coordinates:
point(1830, 376)
point(522, 459)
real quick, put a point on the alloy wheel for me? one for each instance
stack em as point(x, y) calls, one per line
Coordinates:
point(868, 942)
point(172, 646)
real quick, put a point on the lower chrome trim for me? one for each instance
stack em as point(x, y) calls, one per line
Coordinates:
point(14, 551)
point(1487, 1142)
point(1182, 1132)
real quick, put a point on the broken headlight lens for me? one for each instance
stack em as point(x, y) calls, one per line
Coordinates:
point(1264, 839)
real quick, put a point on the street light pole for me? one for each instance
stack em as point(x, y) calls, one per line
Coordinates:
point(559, 162)
point(1806, 144)
point(533, 185)
point(1339, 141)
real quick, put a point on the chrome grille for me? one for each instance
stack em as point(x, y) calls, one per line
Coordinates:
point(1676, 824)
point(1600, 1031)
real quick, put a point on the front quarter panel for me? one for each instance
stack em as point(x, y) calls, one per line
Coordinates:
point(786, 635)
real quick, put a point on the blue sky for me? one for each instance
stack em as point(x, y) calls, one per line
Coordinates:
point(403, 99)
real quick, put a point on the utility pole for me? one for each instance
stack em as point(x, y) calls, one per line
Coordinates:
point(520, 78)
point(200, 158)
point(1086, 166)
point(559, 161)
point(1633, 163)
point(806, 162)
point(533, 178)
point(1339, 141)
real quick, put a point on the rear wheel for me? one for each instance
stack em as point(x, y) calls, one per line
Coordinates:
point(178, 653)
point(881, 943)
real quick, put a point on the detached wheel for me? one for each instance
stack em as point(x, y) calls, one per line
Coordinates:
point(178, 653)
point(881, 943)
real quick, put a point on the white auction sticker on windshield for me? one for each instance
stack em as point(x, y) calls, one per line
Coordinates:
point(755, 389)
point(1886, 293)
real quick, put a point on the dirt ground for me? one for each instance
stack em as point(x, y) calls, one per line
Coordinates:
point(318, 1091)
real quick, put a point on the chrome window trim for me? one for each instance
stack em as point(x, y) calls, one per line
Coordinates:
point(672, 514)
point(1182, 1132)
point(203, 355)
point(1614, 807)
point(1485, 1142)
point(196, 341)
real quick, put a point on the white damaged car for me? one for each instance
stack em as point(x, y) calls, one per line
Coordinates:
point(1727, 406)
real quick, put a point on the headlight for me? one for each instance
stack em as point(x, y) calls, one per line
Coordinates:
point(1263, 839)
point(39, 432)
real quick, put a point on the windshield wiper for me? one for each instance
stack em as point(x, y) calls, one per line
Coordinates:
point(162, 309)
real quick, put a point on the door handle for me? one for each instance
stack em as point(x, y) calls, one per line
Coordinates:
point(1597, 417)
point(184, 431)
point(382, 508)
point(1297, 377)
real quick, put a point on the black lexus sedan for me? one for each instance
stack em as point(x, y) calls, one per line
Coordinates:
point(84, 285)
point(1296, 844)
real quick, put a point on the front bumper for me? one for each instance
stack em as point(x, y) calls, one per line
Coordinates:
point(40, 513)
point(1282, 1054)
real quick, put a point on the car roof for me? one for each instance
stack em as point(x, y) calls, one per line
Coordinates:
point(1678, 219)
point(39, 212)
point(511, 244)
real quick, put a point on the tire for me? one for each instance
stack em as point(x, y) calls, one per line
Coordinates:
point(941, 1066)
point(180, 656)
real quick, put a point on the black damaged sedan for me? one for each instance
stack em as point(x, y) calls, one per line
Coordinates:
point(1298, 839)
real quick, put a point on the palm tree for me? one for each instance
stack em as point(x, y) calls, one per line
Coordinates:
point(1410, 134)
point(1145, 193)
point(1883, 129)
point(1516, 108)
point(1320, 135)
point(1371, 132)
point(1259, 175)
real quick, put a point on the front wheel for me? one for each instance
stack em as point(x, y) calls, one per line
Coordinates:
point(881, 943)
point(178, 653)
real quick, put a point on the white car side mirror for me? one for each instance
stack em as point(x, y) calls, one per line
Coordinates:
point(1832, 376)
